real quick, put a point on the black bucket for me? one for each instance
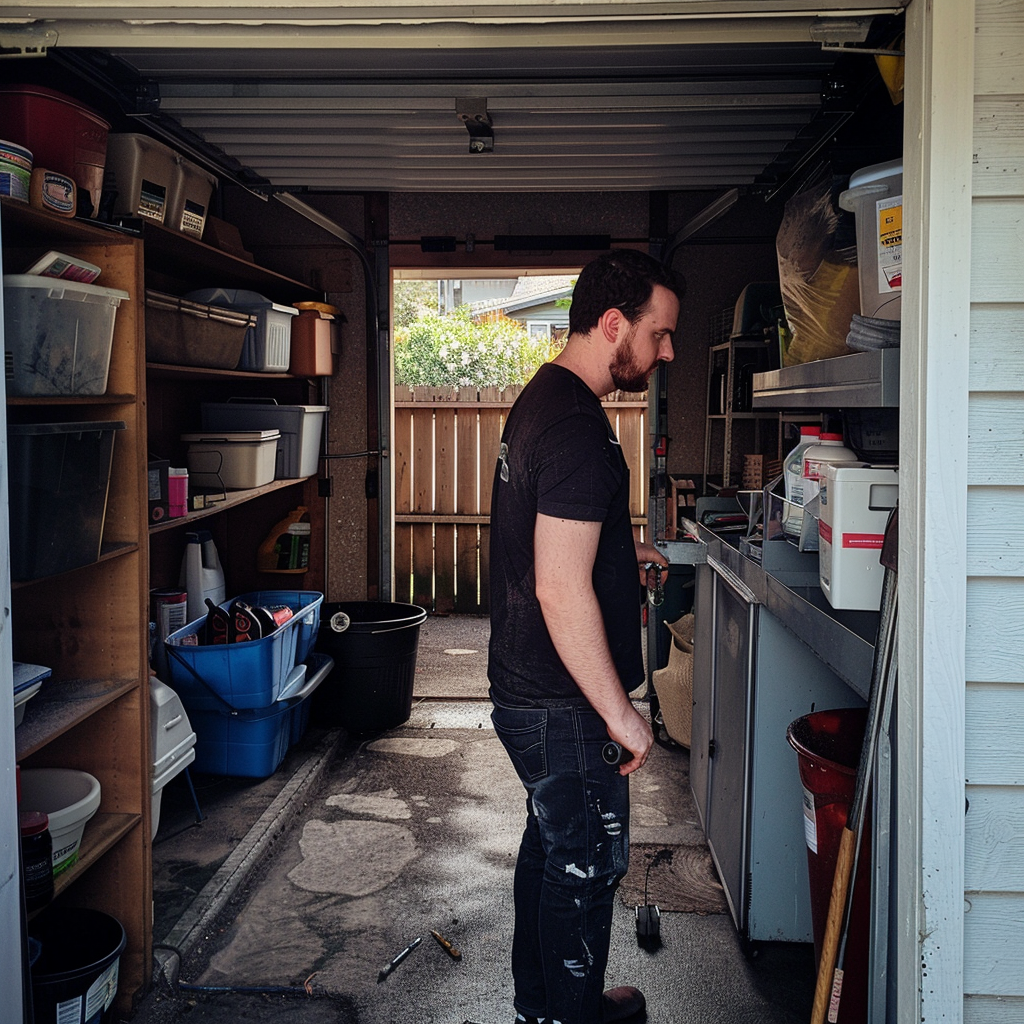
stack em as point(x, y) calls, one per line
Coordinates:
point(373, 644)
point(75, 978)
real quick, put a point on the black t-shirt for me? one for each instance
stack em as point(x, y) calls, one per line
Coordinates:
point(560, 457)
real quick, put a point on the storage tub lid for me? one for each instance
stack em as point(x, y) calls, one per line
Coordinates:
point(262, 405)
point(173, 304)
point(233, 436)
point(876, 172)
point(238, 298)
point(25, 675)
point(33, 429)
point(62, 288)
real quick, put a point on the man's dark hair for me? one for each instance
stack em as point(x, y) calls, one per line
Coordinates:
point(622, 279)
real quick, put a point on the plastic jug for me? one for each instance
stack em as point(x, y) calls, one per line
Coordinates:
point(828, 448)
point(793, 515)
point(201, 573)
point(286, 548)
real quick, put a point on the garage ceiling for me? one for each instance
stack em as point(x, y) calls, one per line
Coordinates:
point(636, 103)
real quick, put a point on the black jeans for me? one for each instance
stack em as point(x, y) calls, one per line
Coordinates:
point(573, 853)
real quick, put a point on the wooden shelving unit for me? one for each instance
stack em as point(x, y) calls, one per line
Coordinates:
point(90, 625)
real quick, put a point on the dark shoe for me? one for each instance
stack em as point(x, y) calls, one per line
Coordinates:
point(624, 1003)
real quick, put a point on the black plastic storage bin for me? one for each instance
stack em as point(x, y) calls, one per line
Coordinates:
point(373, 645)
point(58, 477)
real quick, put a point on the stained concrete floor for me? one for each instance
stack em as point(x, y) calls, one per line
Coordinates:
point(317, 876)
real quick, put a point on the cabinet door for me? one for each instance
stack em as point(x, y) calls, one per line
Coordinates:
point(703, 651)
point(726, 819)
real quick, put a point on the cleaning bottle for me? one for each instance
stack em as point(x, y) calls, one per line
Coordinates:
point(793, 515)
point(286, 548)
point(201, 573)
point(829, 448)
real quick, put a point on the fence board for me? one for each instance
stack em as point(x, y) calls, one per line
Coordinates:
point(446, 446)
point(467, 568)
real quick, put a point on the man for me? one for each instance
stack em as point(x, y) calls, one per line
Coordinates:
point(565, 637)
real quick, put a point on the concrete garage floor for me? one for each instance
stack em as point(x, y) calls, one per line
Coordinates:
point(357, 845)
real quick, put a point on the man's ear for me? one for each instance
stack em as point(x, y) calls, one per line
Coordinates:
point(612, 324)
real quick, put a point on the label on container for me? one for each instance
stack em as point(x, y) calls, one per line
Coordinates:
point(889, 217)
point(810, 823)
point(101, 992)
point(863, 540)
point(152, 201)
point(193, 217)
point(69, 1011)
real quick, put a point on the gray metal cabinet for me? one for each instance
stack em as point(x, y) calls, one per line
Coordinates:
point(752, 677)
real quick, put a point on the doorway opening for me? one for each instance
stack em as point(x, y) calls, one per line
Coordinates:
point(464, 345)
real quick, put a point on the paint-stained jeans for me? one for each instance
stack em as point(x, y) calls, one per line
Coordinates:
point(573, 853)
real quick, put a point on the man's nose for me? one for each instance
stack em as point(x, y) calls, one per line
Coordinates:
point(666, 353)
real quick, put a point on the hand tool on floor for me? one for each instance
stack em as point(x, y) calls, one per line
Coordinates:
point(883, 679)
point(454, 953)
point(393, 963)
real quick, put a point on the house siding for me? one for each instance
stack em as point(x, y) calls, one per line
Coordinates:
point(993, 973)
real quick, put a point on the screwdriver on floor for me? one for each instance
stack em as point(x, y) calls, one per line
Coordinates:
point(393, 963)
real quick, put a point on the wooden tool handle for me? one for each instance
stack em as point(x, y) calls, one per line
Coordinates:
point(833, 925)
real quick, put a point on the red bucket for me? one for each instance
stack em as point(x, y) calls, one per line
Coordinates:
point(64, 136)
point(828, 746)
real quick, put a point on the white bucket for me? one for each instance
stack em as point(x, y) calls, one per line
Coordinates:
point(70, 798)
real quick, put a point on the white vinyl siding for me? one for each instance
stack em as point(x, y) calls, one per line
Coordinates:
point(994, 836)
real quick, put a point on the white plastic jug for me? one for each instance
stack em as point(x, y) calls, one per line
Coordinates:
point(201, 573)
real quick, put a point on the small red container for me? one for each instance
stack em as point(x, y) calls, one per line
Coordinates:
point(64, 136)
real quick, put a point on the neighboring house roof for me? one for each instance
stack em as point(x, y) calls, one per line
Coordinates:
point(528, 293)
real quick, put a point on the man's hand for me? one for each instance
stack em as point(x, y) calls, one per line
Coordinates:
point(635, 735)
point(648, 553)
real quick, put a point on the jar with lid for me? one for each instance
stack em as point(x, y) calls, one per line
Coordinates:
point(36, 858)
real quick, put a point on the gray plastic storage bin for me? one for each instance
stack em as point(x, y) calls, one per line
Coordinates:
point(301, 426)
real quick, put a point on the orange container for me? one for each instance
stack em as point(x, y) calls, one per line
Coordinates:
point(316, 335)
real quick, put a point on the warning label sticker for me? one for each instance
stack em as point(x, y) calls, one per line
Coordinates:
point(889, 213)
point(810, 825)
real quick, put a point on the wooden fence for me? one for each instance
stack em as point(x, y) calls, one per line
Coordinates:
point(445, 447)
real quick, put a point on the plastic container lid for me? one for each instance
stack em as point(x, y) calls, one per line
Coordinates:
point(61, 288)
point(876, 172)
point(832, 437)
point(810, 431)
point(33, 822)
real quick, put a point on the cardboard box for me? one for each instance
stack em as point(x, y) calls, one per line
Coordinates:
point(159, 506)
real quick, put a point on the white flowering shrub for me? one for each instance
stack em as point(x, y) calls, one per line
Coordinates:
point(457, 351)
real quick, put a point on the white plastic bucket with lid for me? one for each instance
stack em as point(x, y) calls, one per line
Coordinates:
point(70, 798)
point(875, 197)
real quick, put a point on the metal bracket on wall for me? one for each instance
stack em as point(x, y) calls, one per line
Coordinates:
point(472, 112)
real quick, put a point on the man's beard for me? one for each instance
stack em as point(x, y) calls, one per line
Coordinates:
point(626, 374)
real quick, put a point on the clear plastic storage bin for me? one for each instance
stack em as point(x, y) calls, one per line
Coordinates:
point(58, 335)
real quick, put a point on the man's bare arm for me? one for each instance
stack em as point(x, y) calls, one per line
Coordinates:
point(564, 554)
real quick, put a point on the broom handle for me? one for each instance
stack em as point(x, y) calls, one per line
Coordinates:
point(830, 942)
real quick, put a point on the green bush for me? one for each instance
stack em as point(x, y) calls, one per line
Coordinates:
point(457, 351)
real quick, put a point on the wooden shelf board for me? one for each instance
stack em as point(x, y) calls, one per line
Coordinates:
point(231, 499)
point(171, 371)
point(60, 706)
point(107, 552)
point(48, 400)
point(102, 832)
